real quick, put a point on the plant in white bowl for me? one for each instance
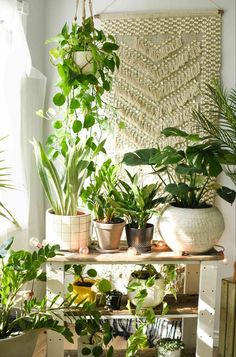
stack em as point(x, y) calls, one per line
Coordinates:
point(168, 347)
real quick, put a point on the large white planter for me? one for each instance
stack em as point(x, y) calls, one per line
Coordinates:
point(191, 230)
point(176, 353)
point(19, 346)
point(84, 60)
point(155, 294)
point(70, 232)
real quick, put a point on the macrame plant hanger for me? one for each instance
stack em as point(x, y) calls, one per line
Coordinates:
point(83, 17)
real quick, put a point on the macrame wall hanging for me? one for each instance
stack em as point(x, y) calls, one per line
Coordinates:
point(166, 61)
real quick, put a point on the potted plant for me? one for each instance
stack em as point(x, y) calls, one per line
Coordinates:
point(148, 284)
point(108, 225)
point(113, 299)
point(21, 317)
point(188, 223)
point(137, 204)
point(222, 105)
point(168, 347)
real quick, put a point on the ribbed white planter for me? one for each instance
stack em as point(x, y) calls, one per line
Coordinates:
point(84, 59)
point(155, 294)
point(191, 230)
point(22, 345)
point(70, 232)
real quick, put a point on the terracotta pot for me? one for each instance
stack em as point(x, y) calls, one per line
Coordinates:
point(109, 234)
point(84, 59)
point(84, 291)
point(191, 230)
point(22, 345)
point(155, 294)
point(70, 232)
point(140, 238)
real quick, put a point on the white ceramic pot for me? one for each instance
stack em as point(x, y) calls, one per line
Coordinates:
point(109, 234)
point(84, 59)
point(155, 294)
point(191, 230)
point(22, 345)
point(84, 346)
point(70, 232)
point(176, 353)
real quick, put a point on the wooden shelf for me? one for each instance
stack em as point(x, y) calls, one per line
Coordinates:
point(123, 257)
point(186, 305)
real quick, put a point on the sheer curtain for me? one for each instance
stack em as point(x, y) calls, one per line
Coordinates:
point(21, 94)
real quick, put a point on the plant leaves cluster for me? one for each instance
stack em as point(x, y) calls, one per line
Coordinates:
point(186, 173)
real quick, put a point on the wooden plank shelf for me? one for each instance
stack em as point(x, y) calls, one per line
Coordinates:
point(186, 305)
point(122, 257)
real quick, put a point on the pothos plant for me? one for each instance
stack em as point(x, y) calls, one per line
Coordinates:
point(22, 313)
point(89, 323)
point(80, 90)
point(146, 316)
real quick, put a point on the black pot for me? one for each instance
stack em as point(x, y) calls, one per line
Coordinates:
point(140, 238)
point(113, 300)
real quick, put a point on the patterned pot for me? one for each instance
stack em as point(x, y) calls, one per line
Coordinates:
point(70, 232)
point(175, 353)
point(191, 230)
point(86, 349)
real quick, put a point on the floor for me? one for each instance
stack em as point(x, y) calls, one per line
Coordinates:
point(40, 350)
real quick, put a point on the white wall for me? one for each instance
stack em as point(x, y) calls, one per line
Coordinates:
point(46, 19)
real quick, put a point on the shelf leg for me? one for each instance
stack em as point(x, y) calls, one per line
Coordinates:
point(55, 286)
point(206, 309)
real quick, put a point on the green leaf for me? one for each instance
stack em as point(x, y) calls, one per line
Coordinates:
point(91, 79)
point(5, 246)
point(89, 121)
point(97, 351)
point(106, 85)
point(104, 286)
point(86, 351)
point(74, 104)
point(57, 124)
point(92, 273)
point(227, 194)
point(77, 126)
point(172, 131)
point(59, 99)
point(139, 157)
point(109, 47)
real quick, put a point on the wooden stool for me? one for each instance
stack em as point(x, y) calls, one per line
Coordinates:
point(227, 338)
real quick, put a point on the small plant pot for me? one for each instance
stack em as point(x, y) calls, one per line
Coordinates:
point(175, 353)
point(22, 345)
point(113, 300)
point(109, 234)
point(140, 238)
point(84, 60)
point(84, 290)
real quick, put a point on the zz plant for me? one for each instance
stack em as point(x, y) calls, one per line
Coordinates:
point(19, 314)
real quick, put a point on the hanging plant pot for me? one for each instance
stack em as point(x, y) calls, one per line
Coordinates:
point(191, 230)
point(109, 234)
point(22, 345)
point(84, 60)
point(140, 238)
point(84, 290)
point(70, 232)
point(155, 293)
point(113, 300)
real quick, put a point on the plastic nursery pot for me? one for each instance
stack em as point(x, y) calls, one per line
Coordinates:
point(113, 299)
point(84, 290)
point(140, 238)
point(109, 234)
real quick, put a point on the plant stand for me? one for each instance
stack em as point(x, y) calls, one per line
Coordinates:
point(203, 312)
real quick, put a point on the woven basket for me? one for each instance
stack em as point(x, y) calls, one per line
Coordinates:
point(191, 230)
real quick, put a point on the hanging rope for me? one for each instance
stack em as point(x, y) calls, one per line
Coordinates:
point(76, 10)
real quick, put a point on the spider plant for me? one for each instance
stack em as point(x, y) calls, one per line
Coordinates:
point(224, 106)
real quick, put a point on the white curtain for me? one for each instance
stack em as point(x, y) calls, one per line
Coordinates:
point(22, 92)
